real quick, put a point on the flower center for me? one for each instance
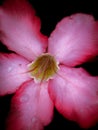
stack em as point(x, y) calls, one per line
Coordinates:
point(43, 68)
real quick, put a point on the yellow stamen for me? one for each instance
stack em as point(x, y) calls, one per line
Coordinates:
point(43, 68)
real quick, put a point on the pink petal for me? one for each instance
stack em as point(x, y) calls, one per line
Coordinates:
point(13, 70)
point(31, 108)
point(75, 95)
point(75, 39)
point(20, 29)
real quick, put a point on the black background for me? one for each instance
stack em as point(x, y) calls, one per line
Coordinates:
point(50, 14)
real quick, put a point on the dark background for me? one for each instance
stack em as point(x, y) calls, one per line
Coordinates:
point(50, 13)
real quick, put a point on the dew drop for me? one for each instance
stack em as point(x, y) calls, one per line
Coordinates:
point(24, 98)
point(9, 69)
point(36, 124)
point(34, 120)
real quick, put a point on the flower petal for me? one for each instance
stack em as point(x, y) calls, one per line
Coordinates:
point(31, 108)
point(75, 39)
point(20, 29)
point(75, 95)
point(12, 72)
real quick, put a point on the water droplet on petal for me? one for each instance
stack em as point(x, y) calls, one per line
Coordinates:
point(24, 98)
point(36, 124)
point(34, 120)
point(9, 69)
point(97, 93)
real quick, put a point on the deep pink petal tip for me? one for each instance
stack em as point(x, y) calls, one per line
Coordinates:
point(31, 108)
point(75, 39)
point(13, 72)
point(20, 29)
point(75, 95)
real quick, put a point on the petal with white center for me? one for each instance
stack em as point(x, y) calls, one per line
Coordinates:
point(20, 29)
point(75, 95)
point(13, 70)
point(75, 39)
point(31, 108)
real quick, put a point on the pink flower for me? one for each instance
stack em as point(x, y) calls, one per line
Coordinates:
point(41, 71)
